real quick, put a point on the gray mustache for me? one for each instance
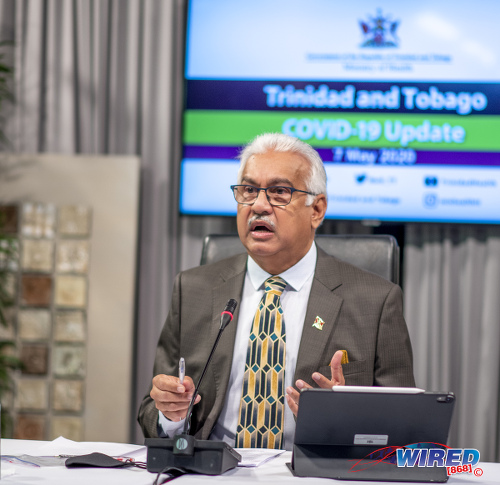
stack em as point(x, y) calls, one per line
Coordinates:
point(262, 219)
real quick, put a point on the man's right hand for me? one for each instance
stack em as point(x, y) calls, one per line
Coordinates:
point(171, 397)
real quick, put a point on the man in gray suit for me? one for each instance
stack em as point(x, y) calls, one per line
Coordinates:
point(343, 325)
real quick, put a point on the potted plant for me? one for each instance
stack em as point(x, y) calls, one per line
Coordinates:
point(8, 257)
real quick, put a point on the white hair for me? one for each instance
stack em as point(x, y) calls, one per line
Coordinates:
point(278, 142)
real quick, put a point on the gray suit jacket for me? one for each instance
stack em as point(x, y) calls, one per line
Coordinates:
point(363, 314)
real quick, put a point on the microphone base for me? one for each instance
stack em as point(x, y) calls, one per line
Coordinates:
point(186, 453)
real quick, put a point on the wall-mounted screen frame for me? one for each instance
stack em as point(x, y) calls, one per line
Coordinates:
point(401, 99)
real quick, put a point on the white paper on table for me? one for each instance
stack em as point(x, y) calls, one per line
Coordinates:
point(253, 457)
point(63, 446)
point(7, 470)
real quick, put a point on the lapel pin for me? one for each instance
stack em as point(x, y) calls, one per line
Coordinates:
point(318, 323)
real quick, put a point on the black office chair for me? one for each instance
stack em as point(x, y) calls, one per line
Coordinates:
point(376, 253)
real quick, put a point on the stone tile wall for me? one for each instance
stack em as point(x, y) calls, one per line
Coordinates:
point(49, 283)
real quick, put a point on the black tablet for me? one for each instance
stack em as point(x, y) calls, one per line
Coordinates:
point(353, 433)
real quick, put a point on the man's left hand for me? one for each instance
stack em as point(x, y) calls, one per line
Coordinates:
point(337, 379)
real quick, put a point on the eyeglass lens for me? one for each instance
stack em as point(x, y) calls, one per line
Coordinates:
point(246, 194)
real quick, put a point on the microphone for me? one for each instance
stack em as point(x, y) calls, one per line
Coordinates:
point(184, 452)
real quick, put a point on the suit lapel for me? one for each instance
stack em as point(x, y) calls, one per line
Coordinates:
point(229, 284)
point(322, 303)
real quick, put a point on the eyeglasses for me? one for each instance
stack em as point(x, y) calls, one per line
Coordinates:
point(276, 195)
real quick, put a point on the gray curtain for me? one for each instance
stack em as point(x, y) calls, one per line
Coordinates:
point(452, 306)
point(104, 76)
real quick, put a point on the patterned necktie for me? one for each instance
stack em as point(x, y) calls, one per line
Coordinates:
point(263, 395)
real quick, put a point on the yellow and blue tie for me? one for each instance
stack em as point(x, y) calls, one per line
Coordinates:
point(261, 417)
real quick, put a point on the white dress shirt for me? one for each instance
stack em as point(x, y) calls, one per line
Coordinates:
point(294, 301)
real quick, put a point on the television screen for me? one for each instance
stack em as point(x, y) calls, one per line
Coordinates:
point(401, 100)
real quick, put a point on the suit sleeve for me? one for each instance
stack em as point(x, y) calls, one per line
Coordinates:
point(166, 361)
point(394, 358)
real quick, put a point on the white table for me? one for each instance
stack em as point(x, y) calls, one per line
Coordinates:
point(270, 473)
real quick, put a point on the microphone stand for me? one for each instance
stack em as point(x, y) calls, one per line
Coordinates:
point(187, 422)
point(184, 452)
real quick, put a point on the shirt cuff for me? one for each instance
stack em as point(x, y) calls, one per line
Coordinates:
point(167, 428)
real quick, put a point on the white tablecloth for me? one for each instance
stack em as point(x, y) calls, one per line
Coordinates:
point(269, 473)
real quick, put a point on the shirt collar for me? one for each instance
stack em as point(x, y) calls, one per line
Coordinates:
point(295, 276)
